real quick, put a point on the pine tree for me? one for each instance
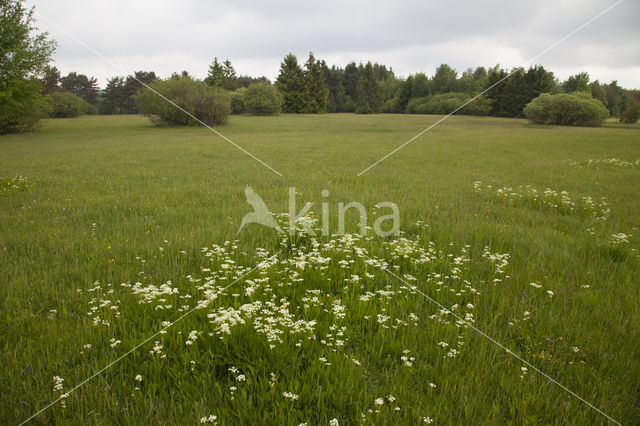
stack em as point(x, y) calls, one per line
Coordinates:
point(215, 77)
point(290, 84)
point(405, 95)
point(114, 97)
point(350, 81)
point(51, 80)
point(315, 94)
point(368, 94)
point(229, 75)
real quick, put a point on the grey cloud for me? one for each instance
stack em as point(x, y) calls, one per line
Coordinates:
point(410, 36)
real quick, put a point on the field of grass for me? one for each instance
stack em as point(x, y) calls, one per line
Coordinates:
point(112, 229)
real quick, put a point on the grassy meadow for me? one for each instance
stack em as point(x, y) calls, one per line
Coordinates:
point(111, 229)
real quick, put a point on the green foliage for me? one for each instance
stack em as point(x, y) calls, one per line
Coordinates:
point(209, 104)
point(290, 84)
point(237, 101)
point(569, 109)
point(632, 112)
point(114, 97)
point(333, 78)
point(611, 95)
point(444, 79)
point(246, 81)
point(216, 76)
point(118, 201)
point(119, 95)
point(445, 103)
point(66, 105)
point(616, 99)
point(315, 94)
point(81, 86)
point(21, 106)
point(517, 89)
point(350, 82)
point(368, 92)
point(349, 104)
point(577, 83)
point(262, 99)
point(404, 95)
point(132, 85)
point(421, 86)
point(221, 75)
point(50, 80)
point(24, 56)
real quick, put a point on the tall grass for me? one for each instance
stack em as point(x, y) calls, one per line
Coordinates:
point(111, 229)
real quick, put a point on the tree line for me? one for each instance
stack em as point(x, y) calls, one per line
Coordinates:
point(365, 88)
point(30, 88)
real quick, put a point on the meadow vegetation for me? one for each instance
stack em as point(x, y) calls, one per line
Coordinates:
point(116, 233)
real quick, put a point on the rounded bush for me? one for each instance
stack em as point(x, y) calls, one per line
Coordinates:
point(237, 101)
point(21, 106)
point(66, 105)
point(211, 105)
point(631, 114)
point(444, 103)
point(364, 109)
point(567, 109)
point(262, 99)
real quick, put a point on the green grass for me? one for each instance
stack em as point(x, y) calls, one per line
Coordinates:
point(104, 194)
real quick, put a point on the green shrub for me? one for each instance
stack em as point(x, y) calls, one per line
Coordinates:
point(349, 104)
point(390, 105)
point(631, 114)
point(568, 109)
point(262, 99)
point(211, 105)
point(66, 105)
point(90, 109)
point(364, 109)
point(21, 106)
point(445, 103)
point(237, 101)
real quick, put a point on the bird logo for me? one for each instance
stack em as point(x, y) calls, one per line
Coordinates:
point(260, 214)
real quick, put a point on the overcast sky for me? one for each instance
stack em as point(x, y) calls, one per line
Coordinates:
point(410, 36)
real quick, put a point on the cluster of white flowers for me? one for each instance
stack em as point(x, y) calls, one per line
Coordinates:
point(619, 238)
point(275, 305)
point(58, 386)
point(549, 198)
point(499, 261)
point(290, 395)
point(157, 350)
point(193, 336)
point(17, 183)
point(138, 379)
point(608, 161)
point(407, 360)
point(209, 419)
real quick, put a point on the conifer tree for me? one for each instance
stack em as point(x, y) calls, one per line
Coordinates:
point(290, 84)
point(315, 94)
point(368, 96)
point(215, 77)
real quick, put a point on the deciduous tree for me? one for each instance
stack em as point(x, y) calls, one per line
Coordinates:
point(24, 56)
